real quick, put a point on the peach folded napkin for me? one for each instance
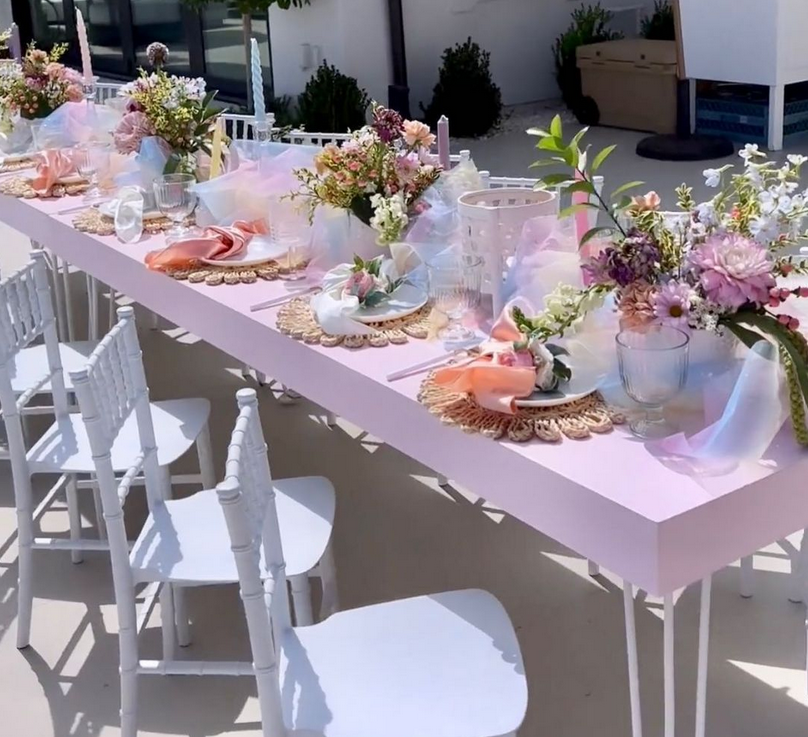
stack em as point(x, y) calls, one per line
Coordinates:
point(215, 243)
point(499, 376)
point(53, 166)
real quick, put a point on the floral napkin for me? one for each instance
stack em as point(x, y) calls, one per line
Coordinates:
point(347, 286)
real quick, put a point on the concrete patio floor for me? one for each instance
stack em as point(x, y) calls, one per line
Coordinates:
point(398, 534)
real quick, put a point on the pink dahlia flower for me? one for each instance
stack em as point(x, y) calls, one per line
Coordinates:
point(733, 270)
point(132, 129)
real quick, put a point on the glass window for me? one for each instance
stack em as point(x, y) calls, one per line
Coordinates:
point(161, 20)
point(48, 19)
point(225, 56)
point(103, 20)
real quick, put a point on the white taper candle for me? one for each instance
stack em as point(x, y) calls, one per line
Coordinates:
point(258, 85)
point(443, 143)
point(84, 46)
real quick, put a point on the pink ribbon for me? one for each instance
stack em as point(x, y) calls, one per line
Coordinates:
point(54, 166)
point(215, 243)
point(499, 376)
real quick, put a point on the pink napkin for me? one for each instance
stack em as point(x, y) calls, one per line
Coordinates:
point(55, 165)
point(215, 243)
point(498, 377)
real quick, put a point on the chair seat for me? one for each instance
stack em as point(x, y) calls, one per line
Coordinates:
point(446, 665)
point(31, 364)
point(186, 541)
point(65, 447)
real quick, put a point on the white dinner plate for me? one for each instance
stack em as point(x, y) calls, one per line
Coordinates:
point(406, 300)
point(107, 209)
point(258, 251)
point(587, 377)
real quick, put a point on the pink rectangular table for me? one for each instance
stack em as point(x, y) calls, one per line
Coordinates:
point(606, 498)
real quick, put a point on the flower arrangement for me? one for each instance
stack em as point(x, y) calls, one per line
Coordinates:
point(712, 266)
point(38, 86)
point(369, 282)
point(176, 109)
point(546, 358)
point(379, 174)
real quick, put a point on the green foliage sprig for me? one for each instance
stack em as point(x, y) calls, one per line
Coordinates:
point(661, 24)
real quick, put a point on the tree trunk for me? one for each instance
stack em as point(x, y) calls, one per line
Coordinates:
point(246, 25)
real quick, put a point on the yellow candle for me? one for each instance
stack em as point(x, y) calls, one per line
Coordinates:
point(216, 151)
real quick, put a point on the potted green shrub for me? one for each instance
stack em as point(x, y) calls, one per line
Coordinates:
point(466, 92)
point(332, 102)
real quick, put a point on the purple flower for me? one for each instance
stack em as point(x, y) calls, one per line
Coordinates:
point(388, 124)
point(636, 258)
point(733, 270)
point(672, 304)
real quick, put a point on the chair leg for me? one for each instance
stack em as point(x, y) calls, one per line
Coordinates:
point(328, 580)
point(127, 645)
point(246, 371)
point(168, 621)
point(261, 378)
point(25, 576)
point(593, 568)
point(205, 453)
point(182, 620)
point(330, 419)
point(74, 514)
point(301, 596)
point(99, 514)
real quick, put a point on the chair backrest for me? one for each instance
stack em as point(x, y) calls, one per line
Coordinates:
point(26, 314)
point(105, 91)
point(109, 389)
point(248, 501)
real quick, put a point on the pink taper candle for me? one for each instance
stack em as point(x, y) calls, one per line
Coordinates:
point(443, 143)
point(84, 46)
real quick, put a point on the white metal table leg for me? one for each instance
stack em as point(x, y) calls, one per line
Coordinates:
point(799, 569)
point(669, 666)
point(747, 576)
point(633, 663)
point(704, 651)
point(777, 111)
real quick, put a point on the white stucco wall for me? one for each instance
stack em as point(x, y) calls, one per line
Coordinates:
point(354, 35)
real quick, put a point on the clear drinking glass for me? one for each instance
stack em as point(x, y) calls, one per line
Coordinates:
point(90, 159)
point(289, 230)
point(455, 284)
point(653, 362)
point(176, 200)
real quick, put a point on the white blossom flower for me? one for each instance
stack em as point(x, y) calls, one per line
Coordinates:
point(389, 217)
point(797, 159)
point(750, 151)
point(712, 177)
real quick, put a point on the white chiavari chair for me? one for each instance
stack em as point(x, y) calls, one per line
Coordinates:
point(447, 664)
point(184, 542)
point(106, 91)
point(26, 316)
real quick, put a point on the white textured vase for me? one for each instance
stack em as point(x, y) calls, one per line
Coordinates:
point(707, 348)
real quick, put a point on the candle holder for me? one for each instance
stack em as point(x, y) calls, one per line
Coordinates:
point(262, 139)
point(88, 88)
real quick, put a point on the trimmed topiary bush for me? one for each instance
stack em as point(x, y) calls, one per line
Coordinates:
point(332, 102)
point(466, 92)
